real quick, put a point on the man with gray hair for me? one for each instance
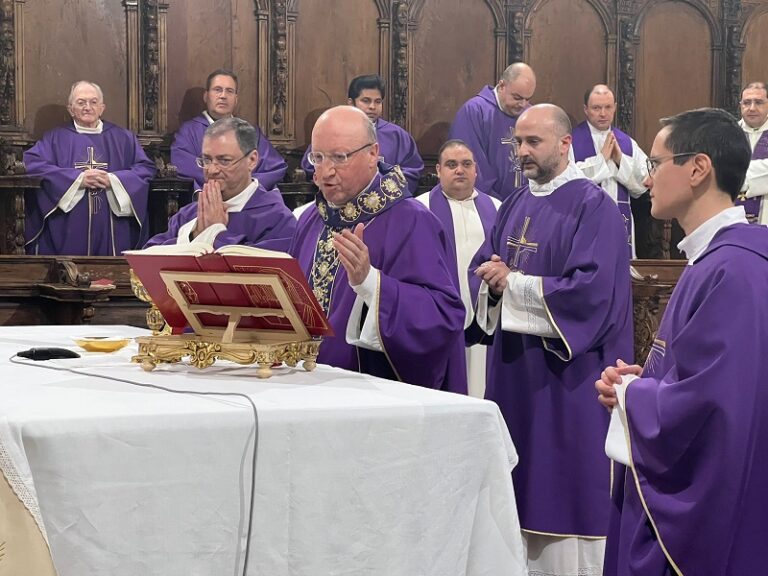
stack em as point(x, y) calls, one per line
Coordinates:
point(94, 184)
point(553, 289)
point(232, 207)
point(754, 122)
point(486, 122)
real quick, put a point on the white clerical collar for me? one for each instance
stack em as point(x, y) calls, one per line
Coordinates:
point(468, 199)
point(496, 95)
point(750, 130)
point(86, 130)
point(210, 118)
point(697, 241)
point(335, 207)
point(237, 203)
point(571, 172)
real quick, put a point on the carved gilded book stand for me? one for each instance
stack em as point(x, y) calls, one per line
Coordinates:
point(263, 346)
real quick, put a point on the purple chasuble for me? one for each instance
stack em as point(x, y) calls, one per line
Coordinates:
point(438, 205)
point(489, 133)
point(90, 228)
point(752, 205)
point(264, 221)
point(573, 239)
point(188, 145)
point(698, 425)
point(396, 147)
point(421, 316)
point(584, 147)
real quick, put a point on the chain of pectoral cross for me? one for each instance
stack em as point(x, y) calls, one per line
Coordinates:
point(521, 245)
point(512, 143)
point(94, 202)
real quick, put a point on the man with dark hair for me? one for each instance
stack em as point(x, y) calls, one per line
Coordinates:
point(220, 98)
point(691, 424)
point(486, 122)
point(94, 184)
point(754, 122)
point(608, 156)
point(233, 207)
point(396, 146)
point(377, 262)
point(555, 296)
point(467, 216)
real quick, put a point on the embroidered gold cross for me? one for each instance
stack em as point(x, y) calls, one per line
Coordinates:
point(521, 244)
point(94, 202)
point(512, 143)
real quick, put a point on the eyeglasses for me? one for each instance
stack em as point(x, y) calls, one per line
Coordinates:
point(317, 158)
point(206, 162)
point(85, 103)
point(219, 90)
point(453, 164)
point(653, 163)
point(756, 103)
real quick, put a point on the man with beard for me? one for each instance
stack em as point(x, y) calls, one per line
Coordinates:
point(555, 295)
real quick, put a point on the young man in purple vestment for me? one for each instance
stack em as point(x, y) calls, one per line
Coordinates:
point(220, 97)
point(233, 207)
point(396, 145)
point(553, 289)
point(94, 184)
point(486, 122)
point(378, 263)
point(754, 122)
point(467, 217)
point(608, 156)
point(691, 426)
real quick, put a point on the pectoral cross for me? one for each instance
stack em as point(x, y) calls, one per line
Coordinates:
point(515, 163)
point(93, 199)
point(521, 245)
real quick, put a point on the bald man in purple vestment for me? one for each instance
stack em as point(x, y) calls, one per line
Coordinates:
point(691, 426)
point(220, 97)
point(552, 287)
point(486, 122)
point(396, 145)
point(94, 184)
point(232, 207)
point(754, 122)
point(378, 263)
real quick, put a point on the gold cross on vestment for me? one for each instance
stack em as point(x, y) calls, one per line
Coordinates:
point(515, 163)
point(521, 245)
point(91, 163)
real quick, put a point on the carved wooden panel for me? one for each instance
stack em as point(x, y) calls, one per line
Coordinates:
point(674, 66)
point(330, 53)
point(568, 53)
point(446, 73)
point(755, 39)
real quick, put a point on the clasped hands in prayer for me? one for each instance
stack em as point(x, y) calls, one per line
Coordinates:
point(210, 207)
point(609, 378)
point(611, 149)
point(96, 179)
point(494, 272)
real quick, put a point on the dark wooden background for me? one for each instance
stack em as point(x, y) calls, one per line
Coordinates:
point(296, 57)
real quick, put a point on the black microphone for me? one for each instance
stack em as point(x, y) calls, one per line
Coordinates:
point(47, 353)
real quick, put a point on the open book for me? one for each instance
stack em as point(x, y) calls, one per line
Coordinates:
point(239, 288)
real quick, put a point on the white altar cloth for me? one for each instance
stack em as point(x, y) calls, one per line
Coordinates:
point(354, 474)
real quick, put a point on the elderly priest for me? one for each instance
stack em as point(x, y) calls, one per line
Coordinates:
point(378, 263)
point(95, 181)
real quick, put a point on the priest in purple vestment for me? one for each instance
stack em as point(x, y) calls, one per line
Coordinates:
point(220, 97)
point(233, 207)
point(553, 289)
point(467, 217)
point(608, 156)
point(486, 122)
point(754, 122)
point(378, 263)
point(691, 426)
point(396, 145)
point(94, 184)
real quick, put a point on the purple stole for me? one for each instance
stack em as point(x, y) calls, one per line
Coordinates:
point(752, 205)
point(438, 205)
point(584, 147)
